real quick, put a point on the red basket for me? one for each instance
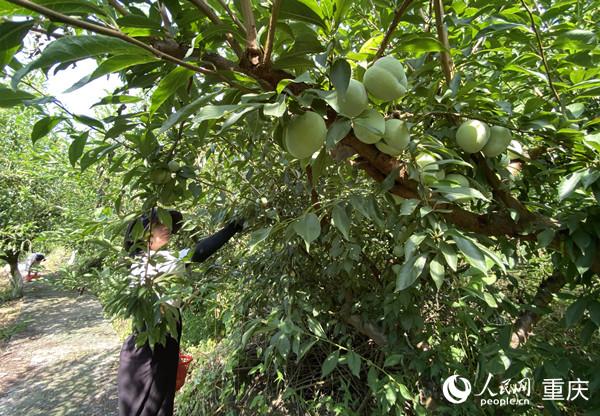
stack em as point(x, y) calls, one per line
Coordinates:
point(31, 276)
point(182, 368)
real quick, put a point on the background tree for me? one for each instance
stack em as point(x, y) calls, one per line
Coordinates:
point(40, 193)
point(348, 300)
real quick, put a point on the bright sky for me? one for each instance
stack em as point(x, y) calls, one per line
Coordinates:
point(80, 100)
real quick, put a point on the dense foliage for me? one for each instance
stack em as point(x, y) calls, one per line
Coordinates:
point(367, 279)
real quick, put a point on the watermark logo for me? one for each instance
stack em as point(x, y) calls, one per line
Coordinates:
point(453, 393)
point(511, 392)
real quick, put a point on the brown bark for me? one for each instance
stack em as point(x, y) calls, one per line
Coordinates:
point(388, 34)
point(523, 327)
point(363, 327)
point(16, 280)
point(446, 59)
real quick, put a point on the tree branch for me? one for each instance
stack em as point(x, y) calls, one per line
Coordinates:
point(523, 326)
point(108, 31)
point(446, 59)
point(118, 7)
point(233, 16)
point(165, 18)
point(253, 54)
point(543, 56)
point(271, 32)
point(250, 24)
point(388, 35)
point(505, 197)
point(212, 16)
point(378, 165)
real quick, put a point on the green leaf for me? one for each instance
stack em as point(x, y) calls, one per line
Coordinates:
point(43, 127)
point(576, 39)
point(236, 116)
point(282, 343)
point(75, 48)
point(568, 185)
point(118, 99)
point(315, 327)
point(341, 8)
point(330, 363)
point(340, 76)
point(168, 86)
point(258, 236)
point(11, 98)
point(213, 112)
point(575, 312)
point(70, 7)
point(545, 237)
point(449, 255)
point(341, 220)
point(186, 111)
point(305, 77)
point(471, 252)
point(337, 131)
point(408, 273)
point(76, 148)
point(89, 121)
point(11, 37)
point(593, 141)
point(308, 227)
point(276, 109)
point(437, 271)
point(390, 394)
point(408, 206)
point(416, 44)
point(594, 310)
point(303, 11)
point(353, 360)
point(392, 360)
point(459, 193)
point(516, 68)
point(110, 65)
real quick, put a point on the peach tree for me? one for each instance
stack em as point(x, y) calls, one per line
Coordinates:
point(420, 180)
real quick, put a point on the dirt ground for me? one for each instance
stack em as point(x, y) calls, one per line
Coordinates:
point(62, 361)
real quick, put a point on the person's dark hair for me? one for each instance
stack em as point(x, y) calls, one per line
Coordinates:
point(176, 224)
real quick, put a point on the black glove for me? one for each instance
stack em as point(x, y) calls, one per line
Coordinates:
point(238, 224)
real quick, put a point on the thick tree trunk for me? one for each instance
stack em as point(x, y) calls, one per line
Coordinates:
point(16, 279)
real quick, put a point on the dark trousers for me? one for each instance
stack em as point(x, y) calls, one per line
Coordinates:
point(146, 378)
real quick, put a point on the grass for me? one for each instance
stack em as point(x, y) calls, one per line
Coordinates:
point(10, 330)
point(10, 309)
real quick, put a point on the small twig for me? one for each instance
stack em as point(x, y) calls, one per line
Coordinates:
point(446, 59)
point(45, 32)
point(314, 196)
point(271, 32)
point(388, 35)
point(165, 18)
point(208, 12)
point(232, 16)
point(118, 7)
point(543, 56)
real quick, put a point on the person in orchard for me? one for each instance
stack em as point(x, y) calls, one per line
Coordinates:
point(146, 376)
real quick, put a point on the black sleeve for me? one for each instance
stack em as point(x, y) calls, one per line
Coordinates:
point(207, 246)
